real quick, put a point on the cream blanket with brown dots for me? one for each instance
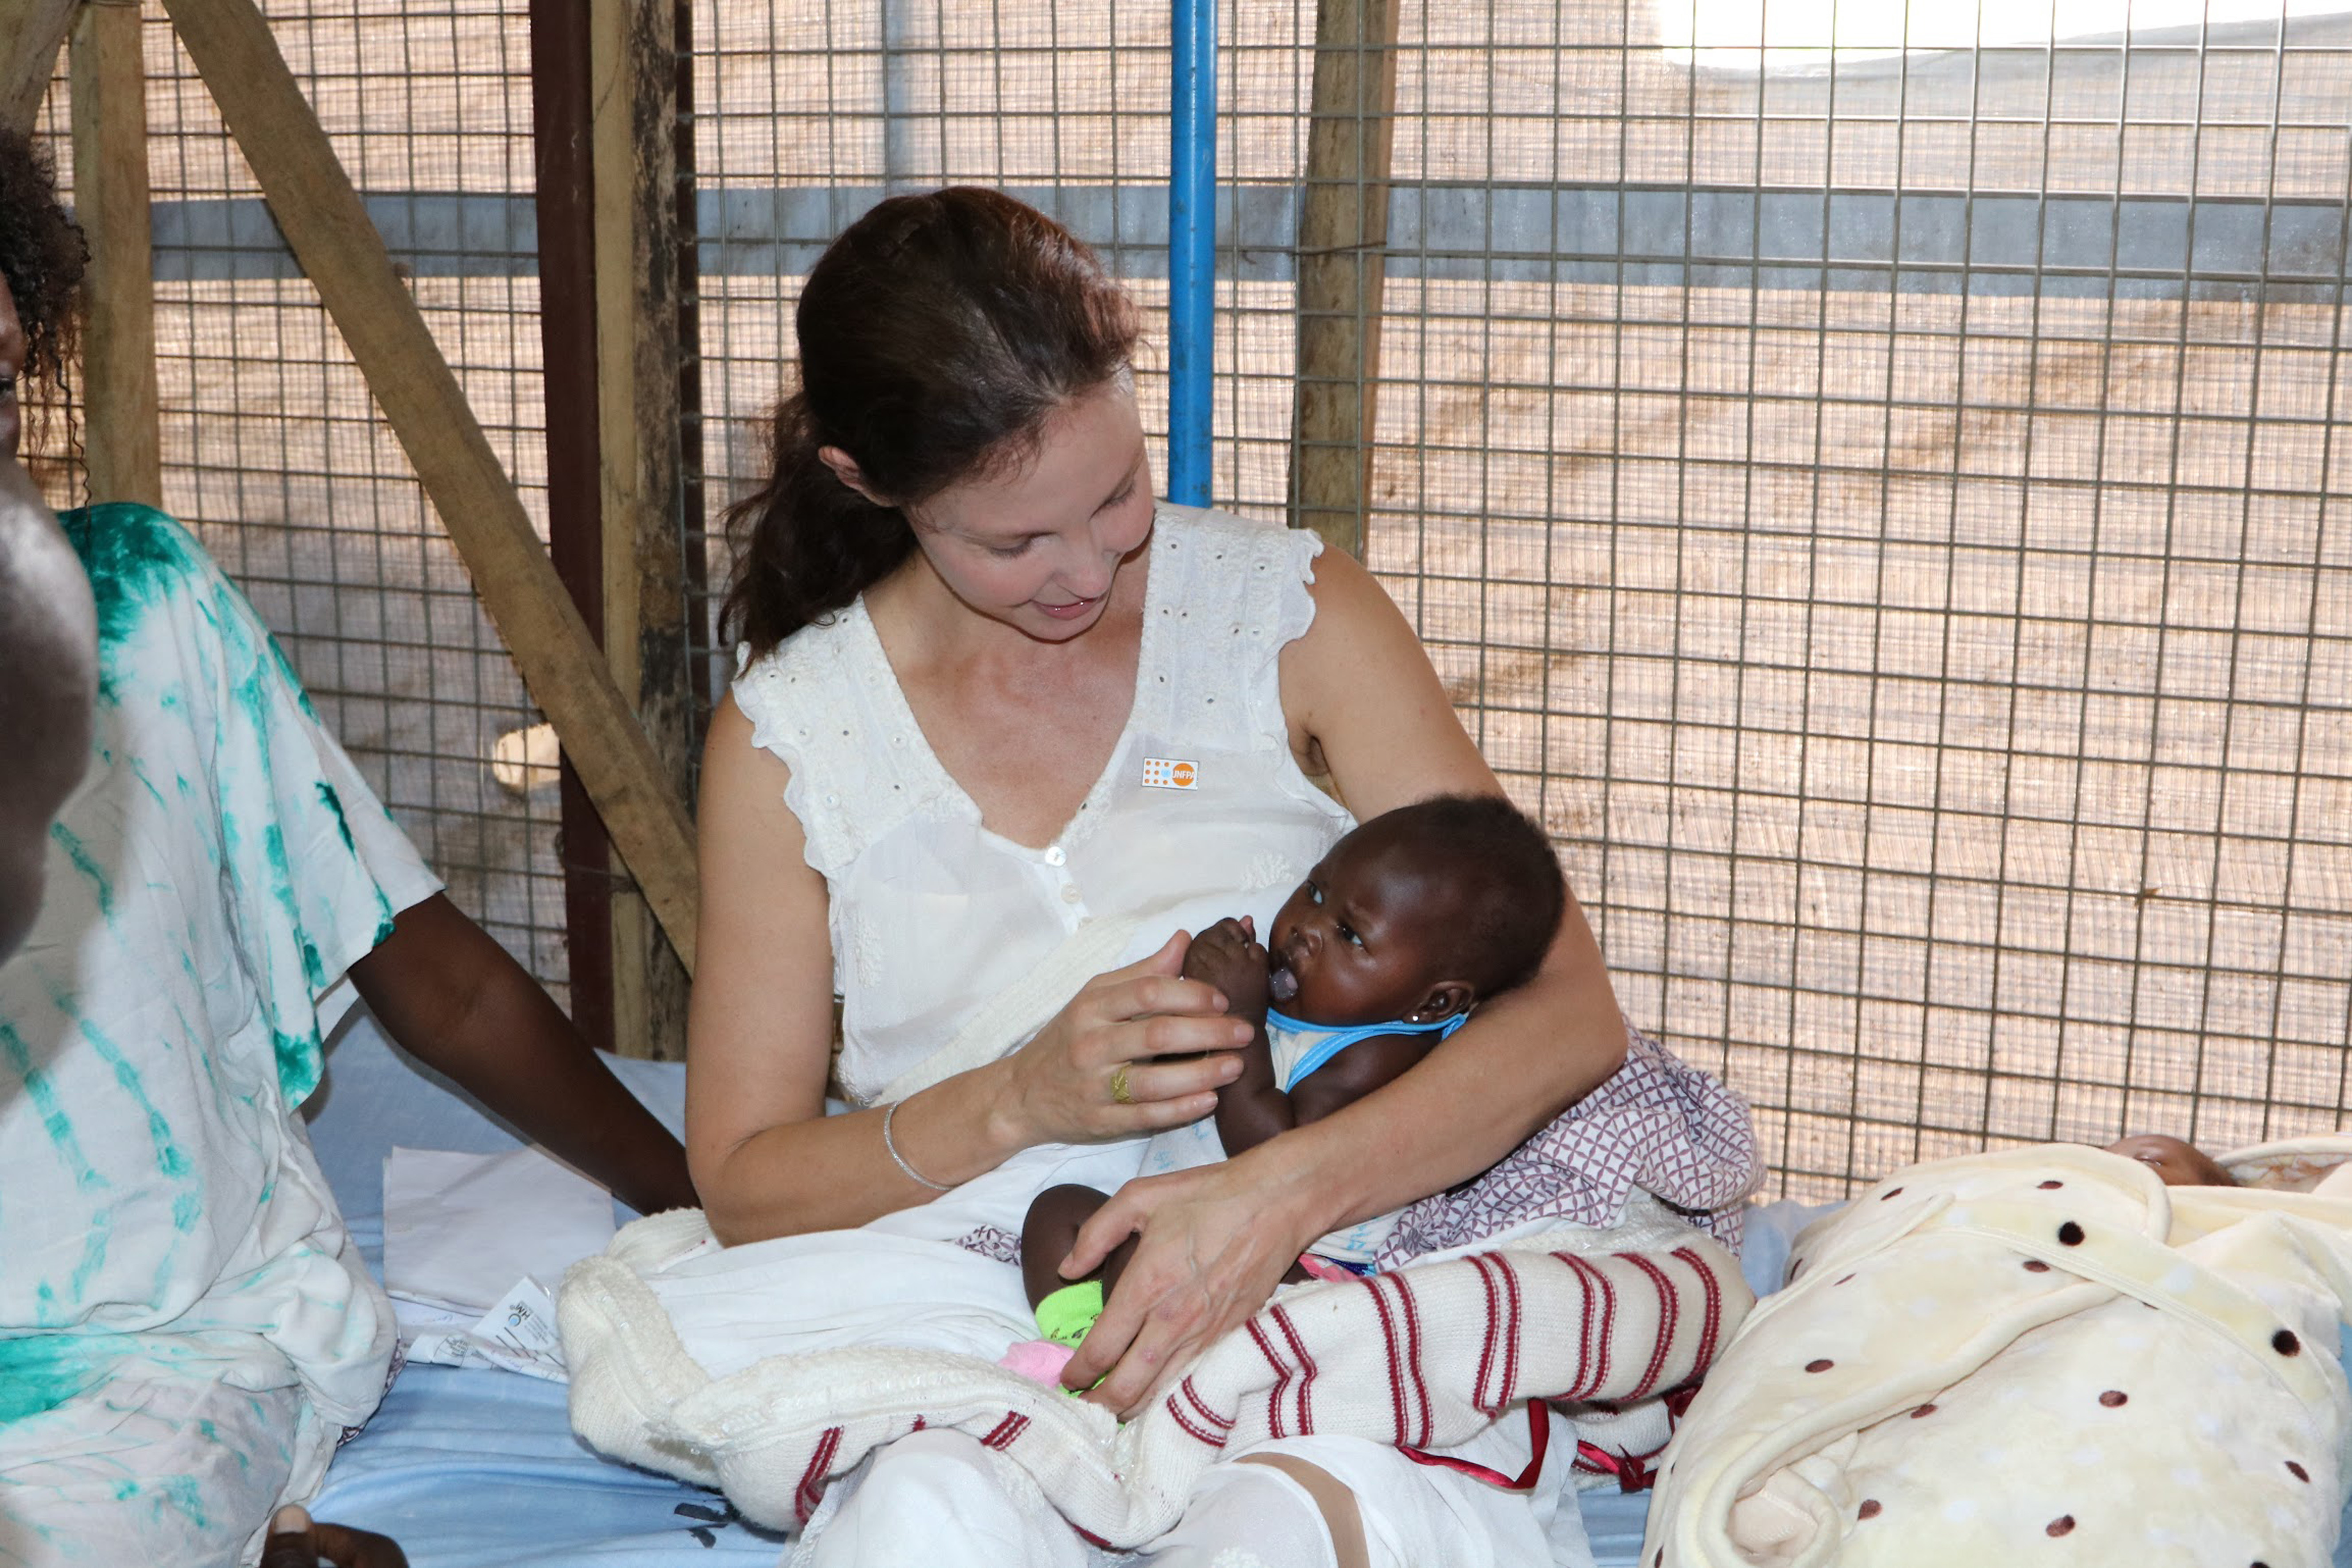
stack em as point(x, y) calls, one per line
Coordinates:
point(1985, 1357)
point(1425, 1357)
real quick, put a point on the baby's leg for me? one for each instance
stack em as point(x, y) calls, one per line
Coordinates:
point(1048, 1234)
point(1052, 1229)
point(1066, 1308)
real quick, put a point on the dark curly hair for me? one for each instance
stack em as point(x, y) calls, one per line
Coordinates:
point(42, 259)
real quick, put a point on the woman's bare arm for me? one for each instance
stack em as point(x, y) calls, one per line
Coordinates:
point(443, 988)
point(766, 1158)
point(1364, 703)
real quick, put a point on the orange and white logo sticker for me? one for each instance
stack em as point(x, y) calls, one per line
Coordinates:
point(1169, 772)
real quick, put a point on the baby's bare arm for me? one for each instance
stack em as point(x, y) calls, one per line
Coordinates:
point(1355, 1073)
point(1253, 1108)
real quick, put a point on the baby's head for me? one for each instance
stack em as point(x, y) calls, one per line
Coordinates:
point(2176, 1163)
point(1419, 914)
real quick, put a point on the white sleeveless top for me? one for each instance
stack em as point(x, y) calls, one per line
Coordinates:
point(932, 914)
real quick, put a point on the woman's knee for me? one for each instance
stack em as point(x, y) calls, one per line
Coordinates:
point(1270, 1510)
point(924, 1478)
point(934, 1498)
point(1333, 1501)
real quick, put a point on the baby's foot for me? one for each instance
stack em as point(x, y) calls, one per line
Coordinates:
point(1040, 1361)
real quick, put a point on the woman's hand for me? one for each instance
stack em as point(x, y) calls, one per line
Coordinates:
point(1105, 1066)
point(1214, 1242)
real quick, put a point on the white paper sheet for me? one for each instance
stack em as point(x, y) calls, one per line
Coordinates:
point(518, 1334)
point(460, 1229)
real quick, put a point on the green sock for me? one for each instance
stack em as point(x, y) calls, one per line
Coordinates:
point(1065, 1315)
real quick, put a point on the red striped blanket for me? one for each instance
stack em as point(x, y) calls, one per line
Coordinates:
point(1425, 1357)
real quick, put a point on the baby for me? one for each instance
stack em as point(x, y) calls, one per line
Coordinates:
point(2174, 1162)
point(1406, 925)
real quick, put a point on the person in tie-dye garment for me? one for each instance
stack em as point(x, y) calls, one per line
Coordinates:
point(186, 1329)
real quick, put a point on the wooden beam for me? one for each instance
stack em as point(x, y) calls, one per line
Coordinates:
point(326, 228)
point(31, 34)
point(1343, 230)
point(124, 451)
point(562, 197)
point(633, 80)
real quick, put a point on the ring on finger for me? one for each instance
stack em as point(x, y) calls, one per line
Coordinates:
point(1120, 1092)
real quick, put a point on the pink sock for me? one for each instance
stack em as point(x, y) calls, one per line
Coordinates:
point(1041, 1361)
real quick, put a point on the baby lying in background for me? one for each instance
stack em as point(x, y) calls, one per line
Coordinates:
point(2176, 1163)
point(1410, 923)
point(1982, 1358)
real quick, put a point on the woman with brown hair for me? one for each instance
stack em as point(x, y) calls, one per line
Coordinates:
point(1004, 729)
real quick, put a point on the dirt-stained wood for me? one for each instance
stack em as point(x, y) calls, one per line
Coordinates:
point(31, 34)
point(1342, 241)
point(633, 75)
point(124, 451)
point(326, 228)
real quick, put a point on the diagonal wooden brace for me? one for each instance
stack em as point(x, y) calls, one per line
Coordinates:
point(31, 34)
point(327, 228)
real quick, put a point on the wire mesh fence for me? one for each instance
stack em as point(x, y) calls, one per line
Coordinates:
point(275, 454)
point(1870, 476)
point(1899, 546)
point(1880, 505)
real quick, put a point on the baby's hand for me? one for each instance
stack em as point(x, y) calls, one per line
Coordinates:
point(1228, 956)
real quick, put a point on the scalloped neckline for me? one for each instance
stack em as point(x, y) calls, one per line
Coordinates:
point(1089, 811)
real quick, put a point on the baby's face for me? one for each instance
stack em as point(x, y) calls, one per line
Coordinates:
point(2176, 1163)
point(1359, 941)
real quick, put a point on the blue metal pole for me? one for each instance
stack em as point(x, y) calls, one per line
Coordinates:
point(1191, 249)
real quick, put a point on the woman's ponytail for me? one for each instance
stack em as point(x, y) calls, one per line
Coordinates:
point(805, 543)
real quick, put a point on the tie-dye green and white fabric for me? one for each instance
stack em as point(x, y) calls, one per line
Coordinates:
point(185, 1328)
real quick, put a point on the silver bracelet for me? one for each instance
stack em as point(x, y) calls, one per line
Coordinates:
point(891, 1145)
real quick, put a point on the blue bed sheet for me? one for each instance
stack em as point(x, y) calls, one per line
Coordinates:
point(470, 1468)
point(479, 1468)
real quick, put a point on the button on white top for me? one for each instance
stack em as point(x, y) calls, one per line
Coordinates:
point(1055, 855)
point(1069, 893)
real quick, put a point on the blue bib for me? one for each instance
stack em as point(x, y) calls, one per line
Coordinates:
point(1336, 1040)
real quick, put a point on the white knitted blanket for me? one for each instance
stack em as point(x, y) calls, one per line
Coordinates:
point(1423, 1357)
